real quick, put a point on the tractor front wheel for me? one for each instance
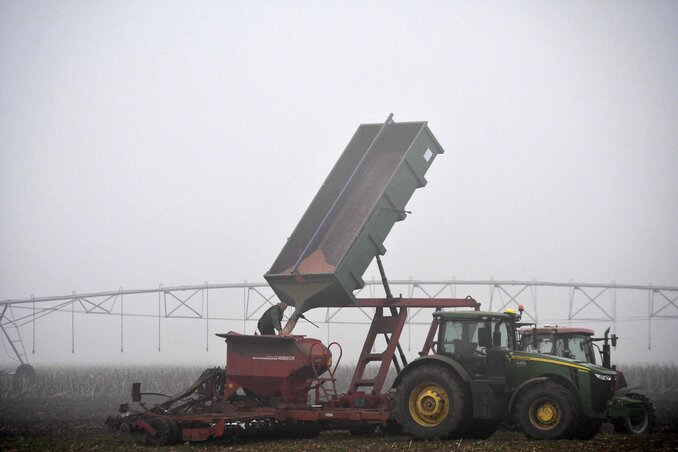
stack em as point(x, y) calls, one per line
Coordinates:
point(637, 425)
point(432, 402)
point(547, 411)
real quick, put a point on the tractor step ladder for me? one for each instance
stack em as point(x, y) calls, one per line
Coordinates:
point(390, 326)
point(11, 331)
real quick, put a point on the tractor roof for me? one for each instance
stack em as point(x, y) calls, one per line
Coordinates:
point(472, 315)
point(556, 329)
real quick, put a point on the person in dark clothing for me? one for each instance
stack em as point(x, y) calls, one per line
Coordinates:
point(270, 321)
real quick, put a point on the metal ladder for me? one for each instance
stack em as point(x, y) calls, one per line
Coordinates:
point(390, 326)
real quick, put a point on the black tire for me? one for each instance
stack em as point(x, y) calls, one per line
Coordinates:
point(163, 435)
point(547, 411)
point(176, 432)
point(392, 428)
point(24, 375)
point(638, 425)
point(482, 428)
point(587, 428)
point(433, 402)
point(298, 430)
point(619, 425)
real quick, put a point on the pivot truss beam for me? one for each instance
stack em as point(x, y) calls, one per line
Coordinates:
point(569, 302)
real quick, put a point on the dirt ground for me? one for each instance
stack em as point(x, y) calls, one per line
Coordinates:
point(68, 423)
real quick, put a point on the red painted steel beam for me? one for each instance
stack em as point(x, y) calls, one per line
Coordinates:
point(345, 414)
point(436, 303)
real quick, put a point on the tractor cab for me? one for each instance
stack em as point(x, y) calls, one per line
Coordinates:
point(568, 342)
point(478, 340)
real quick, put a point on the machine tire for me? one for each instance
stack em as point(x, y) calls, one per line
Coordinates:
point(587, 428)
point(432, 402)
point(24, 375)
point(547, 410)
point(392, 428)
point(176, 431)
point(482, 428)
point(298, 430)
point(642, 425)
point(619, 425)
point(164, 435)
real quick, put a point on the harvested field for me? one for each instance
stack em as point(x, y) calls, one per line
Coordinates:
point(72, 418)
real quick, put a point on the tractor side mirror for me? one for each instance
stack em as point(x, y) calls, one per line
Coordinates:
point(614, 339)
point(484, 337)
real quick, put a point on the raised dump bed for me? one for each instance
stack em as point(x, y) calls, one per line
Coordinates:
point(346, 224)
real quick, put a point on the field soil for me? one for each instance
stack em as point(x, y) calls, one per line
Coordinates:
point(64, 422)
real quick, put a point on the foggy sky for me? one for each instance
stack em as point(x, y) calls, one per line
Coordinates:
point(180, 142)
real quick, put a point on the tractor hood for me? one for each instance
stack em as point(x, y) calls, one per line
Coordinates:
point(560, 361)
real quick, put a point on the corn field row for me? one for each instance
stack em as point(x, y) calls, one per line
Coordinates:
point(659, 380)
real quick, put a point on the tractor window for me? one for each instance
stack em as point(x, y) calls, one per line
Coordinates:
point(467, 339)
point(566, 345)
point(544, 345)
point(575, 347)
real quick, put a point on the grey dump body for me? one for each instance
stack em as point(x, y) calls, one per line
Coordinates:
point(346, 224)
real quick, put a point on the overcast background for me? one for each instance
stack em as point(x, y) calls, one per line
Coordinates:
point(180, 142)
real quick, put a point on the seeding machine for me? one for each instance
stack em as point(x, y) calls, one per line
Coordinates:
point(468, 378)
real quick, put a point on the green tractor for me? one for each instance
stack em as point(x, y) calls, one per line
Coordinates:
point(580, 344)
point(471, 376)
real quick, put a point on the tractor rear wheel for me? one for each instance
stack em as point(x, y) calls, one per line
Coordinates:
point(637, 425)
point(547, 411)
point(432, 402)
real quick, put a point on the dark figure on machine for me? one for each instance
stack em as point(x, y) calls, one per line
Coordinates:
point(269, 323)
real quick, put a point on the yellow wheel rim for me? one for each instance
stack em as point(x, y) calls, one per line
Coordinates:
point(544, 414)
point(429, 404)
